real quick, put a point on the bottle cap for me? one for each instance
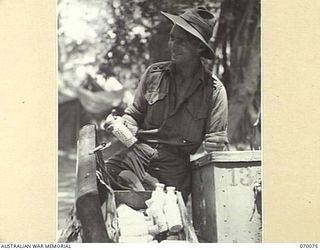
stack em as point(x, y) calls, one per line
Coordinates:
point(171, 188)
point(114, 112)
point(160, 185)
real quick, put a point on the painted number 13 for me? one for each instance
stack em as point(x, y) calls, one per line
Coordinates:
point(246, 180)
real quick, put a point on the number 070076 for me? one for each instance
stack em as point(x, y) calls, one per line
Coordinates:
point(305, 245)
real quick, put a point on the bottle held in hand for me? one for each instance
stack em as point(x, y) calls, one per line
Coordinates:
point(120, 130)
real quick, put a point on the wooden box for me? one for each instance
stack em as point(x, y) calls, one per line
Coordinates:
point(96, 208)
point(225, 206)
point(136, 200)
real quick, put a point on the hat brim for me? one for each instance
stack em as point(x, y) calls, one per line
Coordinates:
point(187, 27)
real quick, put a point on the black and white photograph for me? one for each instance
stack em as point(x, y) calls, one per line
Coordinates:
point(159, 121)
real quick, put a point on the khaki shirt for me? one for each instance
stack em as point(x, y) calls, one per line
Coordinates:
point(202, 110)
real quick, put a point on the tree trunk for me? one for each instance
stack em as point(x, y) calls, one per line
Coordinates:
point(244, 65)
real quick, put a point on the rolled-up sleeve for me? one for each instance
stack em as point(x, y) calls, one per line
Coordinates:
point(218, 111)
point(138, 108)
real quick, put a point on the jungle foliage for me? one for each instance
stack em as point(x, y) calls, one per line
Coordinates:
point(121, 38)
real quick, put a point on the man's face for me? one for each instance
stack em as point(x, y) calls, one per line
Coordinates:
point(183, 46)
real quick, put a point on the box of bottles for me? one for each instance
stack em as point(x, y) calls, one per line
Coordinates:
point(127, 220)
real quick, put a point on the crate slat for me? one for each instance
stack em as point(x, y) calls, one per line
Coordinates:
point(232, 158)
point(87, 196)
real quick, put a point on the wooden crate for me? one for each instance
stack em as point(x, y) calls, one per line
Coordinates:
point(222, 196)
point(95, 210)
point(136, 200)
point(223, 200)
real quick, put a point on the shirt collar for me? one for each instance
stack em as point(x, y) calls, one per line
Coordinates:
point(201, 74)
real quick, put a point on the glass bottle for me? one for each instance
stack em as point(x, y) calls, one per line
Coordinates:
point(120, 130)
point(172, 211)
point(156, 204)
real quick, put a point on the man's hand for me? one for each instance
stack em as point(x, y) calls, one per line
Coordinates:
point(215, 141)
point(108, 125)
point(130, 123)
point(127, 120)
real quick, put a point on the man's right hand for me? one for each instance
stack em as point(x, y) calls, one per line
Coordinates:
point(127, 120)
point(130, 123)
point(108, 125)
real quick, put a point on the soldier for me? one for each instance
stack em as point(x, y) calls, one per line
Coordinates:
point(178, 106)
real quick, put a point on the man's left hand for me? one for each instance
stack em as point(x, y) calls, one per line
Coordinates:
point(216, 141)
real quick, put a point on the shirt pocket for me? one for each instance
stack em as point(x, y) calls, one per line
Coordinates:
point(152, 96)
point(156, 107)
point(195, 119)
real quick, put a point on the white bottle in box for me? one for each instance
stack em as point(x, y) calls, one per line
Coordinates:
point(156, 208)
point(172, 211)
